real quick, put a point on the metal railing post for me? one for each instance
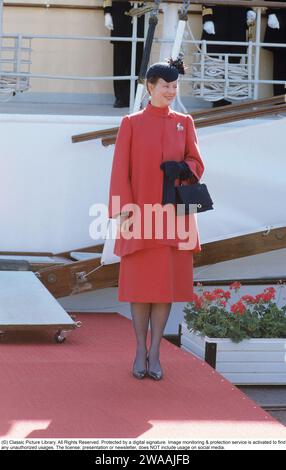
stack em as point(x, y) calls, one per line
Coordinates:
point(133, 59)
point(226, 83)
point(1, 17)
point(18, 62)
point(249, 67)
point(257, 54)
point(202, 58)
point(1, 30)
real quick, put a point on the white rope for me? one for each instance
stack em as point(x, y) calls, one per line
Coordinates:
point(214, 67)
point(9, 86)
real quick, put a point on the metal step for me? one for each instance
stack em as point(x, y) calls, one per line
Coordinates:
point(33, 259)
point(14, 265)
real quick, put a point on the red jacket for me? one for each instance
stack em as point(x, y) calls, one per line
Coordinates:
point(144, 140)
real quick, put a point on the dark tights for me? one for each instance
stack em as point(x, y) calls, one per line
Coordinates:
point(157, 315)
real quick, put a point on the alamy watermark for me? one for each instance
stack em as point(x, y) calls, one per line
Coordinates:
point(153, 221)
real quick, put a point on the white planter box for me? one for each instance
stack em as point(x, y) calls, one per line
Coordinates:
point(253, 361)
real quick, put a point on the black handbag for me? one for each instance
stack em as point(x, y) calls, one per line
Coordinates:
point(193, 194)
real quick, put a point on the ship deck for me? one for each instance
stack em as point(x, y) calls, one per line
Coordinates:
point(86, 105)
point(85, 388)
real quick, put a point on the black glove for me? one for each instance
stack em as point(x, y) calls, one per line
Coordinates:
point(173, 170)
point(185, 171)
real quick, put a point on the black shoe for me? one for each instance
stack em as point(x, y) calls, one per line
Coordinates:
point(120, 104)
point(152, 374)
point(139, 374)
point(217, 104)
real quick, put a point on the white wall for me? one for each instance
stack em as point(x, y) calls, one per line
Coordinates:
point(47, 183)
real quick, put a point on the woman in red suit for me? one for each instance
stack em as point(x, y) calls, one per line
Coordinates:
point(156, 266)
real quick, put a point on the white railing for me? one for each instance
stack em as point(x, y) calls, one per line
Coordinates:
point(214, 77)
point(15, 64)
point(16, 60)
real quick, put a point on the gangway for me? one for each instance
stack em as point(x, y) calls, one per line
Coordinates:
point(26, 304)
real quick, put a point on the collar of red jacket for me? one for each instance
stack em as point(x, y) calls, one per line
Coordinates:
point(157, 111)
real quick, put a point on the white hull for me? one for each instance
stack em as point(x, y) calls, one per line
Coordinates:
point(49, 184)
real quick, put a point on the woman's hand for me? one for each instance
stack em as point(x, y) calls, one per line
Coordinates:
point(173, 169)
point(124, 222)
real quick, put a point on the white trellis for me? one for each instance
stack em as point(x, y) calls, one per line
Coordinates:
point(216, 78)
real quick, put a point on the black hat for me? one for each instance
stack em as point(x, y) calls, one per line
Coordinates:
point(169, 71)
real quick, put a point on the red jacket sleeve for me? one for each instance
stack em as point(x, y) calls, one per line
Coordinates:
point(192, 153)
point(120, 183)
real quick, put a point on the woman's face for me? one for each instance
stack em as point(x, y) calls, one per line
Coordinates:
point(162, 93)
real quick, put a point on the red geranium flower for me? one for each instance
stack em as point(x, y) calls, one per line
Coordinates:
point(238, 308)
point(227, 295)
point(249, 299)
point(267, 295)
point(209, 295)
point(212, 314)
point(235, 285)
point(219, 292)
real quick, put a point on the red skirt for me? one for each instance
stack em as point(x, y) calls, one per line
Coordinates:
point(161, 274)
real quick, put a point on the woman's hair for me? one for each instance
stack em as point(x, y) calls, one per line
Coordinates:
point(153, 80)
